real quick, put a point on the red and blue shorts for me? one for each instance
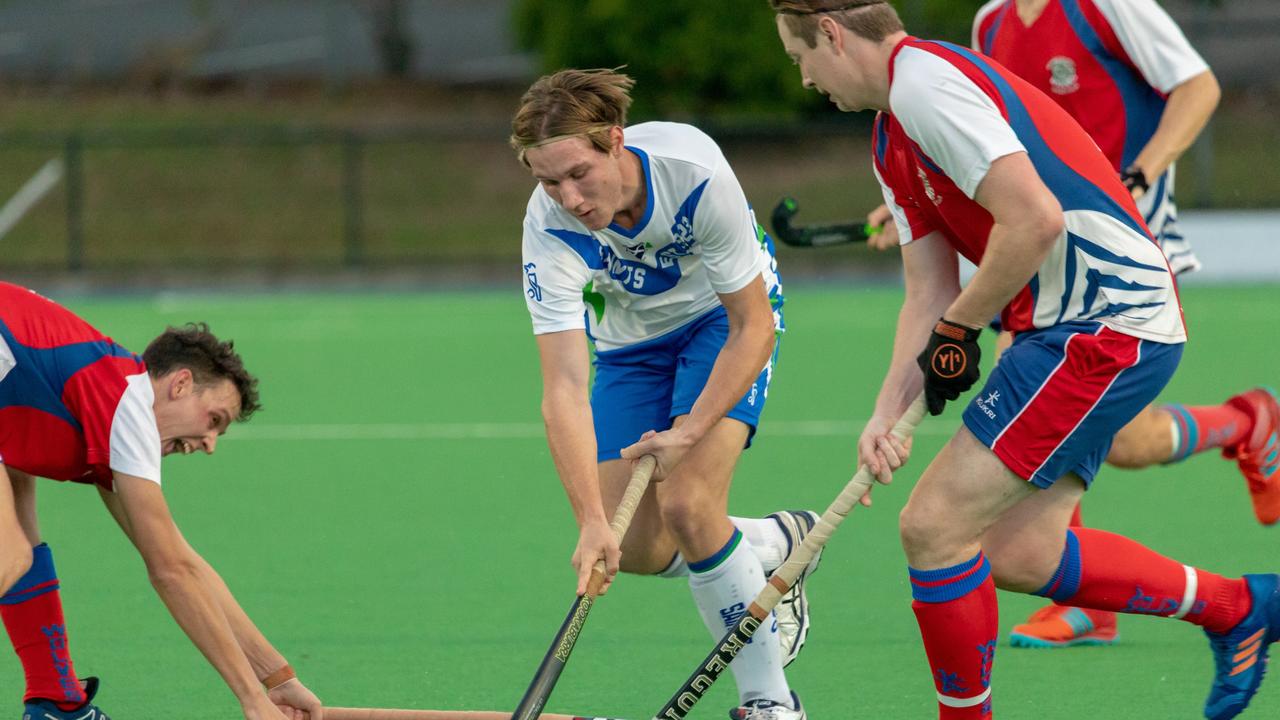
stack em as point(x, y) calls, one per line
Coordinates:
point(1059, 395)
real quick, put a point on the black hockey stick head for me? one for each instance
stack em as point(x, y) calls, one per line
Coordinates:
point(811, 236)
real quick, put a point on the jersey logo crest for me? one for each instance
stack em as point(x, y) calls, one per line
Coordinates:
point(1062, 75)
point(637, 250)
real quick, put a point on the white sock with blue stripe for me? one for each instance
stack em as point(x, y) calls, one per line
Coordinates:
point(722, 586)
point(765, 537)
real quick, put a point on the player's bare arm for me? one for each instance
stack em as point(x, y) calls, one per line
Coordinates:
point(566, 411)
point(1188, 110)
point(15, 551)
point(175, 572)
point(931, 274)
point(1028, 221)
point(744, 355)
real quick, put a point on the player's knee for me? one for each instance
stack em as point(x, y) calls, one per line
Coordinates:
point(683, 513)
point(1019, 566)
point(18, 566)
point(1129, 453)
point(921, 530)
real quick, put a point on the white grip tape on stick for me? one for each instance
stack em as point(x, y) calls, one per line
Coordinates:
point(799, 559)
point(626, 510)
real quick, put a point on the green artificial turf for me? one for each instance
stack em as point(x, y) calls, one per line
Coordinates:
point(393, 523)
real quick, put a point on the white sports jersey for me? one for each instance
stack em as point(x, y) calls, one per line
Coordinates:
point(698, 237)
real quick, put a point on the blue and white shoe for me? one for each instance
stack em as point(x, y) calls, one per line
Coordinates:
point(1240, 655)
point(38, 709)
point(792, 610)
point(769, 710)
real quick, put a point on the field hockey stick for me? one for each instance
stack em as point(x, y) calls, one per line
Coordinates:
point(544, 680)
point(781, 582)
point(814, 235)
point(341, 713)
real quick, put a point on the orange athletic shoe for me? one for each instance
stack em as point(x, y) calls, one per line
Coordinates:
point(1259, 455)
point(1056, 626)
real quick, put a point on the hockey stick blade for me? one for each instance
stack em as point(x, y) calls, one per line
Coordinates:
point(813, 235)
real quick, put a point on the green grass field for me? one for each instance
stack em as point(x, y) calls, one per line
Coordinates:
point(393, 522)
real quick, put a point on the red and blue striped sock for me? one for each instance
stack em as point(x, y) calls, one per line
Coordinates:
point(956, 609)
point(1105, 571)
point(1203, 427)
point(32, 614)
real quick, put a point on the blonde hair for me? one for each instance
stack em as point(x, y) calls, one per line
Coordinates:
point(872, 20)
point(571, 103)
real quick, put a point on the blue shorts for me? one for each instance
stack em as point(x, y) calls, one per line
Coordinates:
point(1059, 395)
point(644, 386)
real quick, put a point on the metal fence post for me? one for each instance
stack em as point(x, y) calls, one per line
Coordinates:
point(353, 197)
point(73, 151)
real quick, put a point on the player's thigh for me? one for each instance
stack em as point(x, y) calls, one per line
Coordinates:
point(648, 546)
point(1025, 544)
point(698, 488)
point(962, 493)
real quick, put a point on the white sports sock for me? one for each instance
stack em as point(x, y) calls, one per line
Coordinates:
point(766, 538)
point(767, 542)
point(722, 593)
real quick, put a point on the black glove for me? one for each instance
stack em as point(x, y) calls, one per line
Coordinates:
point(950, 363)
point(1133, 178)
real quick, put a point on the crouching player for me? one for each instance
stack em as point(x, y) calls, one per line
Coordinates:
point(973, 160)
point(76, 406)
point(646, 245)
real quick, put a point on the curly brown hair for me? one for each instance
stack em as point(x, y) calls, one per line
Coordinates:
point(209, 359)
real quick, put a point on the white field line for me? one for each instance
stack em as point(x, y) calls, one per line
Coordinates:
point(521, 431)
point(31, 192)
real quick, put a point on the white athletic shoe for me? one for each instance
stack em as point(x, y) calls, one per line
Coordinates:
point(793, 609)
point(769, 710)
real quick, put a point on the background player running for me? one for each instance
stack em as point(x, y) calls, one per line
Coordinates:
point(642, 240)
point(76, 406)
point(974, 160)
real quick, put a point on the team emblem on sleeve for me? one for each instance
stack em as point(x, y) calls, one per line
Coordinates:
point(531, 276)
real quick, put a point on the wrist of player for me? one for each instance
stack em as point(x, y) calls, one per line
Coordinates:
point(279, 677)
point(950, 363)
point(1135, 180)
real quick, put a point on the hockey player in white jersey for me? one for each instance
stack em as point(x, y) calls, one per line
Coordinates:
point(640, 240)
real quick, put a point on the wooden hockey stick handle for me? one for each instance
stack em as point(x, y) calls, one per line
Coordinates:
point(786, 575)
point(625, 511)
